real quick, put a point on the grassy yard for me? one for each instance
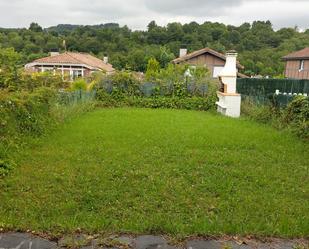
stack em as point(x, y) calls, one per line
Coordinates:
point(160, 171)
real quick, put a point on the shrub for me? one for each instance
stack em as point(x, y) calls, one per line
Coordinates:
point(29, 81)
point(124, 82)
point(79, 85)
point(25, 115)
point(172, 89)
point(9, 62)
point(188, 103)
point(260, 113)
point(153, 68)
point(294, 117)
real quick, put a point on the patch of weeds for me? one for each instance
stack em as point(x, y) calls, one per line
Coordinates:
point(112, 243)
point(226, 246)
point(301, 246)
point(5, 167)
point(75, 241)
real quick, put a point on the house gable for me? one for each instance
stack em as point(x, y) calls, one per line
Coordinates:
point(297, 64)
point(206, 55)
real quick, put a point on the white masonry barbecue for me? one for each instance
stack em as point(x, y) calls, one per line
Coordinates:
point(229, 101)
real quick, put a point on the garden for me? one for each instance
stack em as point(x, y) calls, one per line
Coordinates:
point(121, 154)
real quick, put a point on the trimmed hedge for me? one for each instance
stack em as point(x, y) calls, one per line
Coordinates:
point(188, 103)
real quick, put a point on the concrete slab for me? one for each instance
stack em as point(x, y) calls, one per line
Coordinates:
point(24, 241)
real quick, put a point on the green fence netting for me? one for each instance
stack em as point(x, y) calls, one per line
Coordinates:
point(76, 97)
point(263, 91)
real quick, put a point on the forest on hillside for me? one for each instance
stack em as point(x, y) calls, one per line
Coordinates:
point(260, 47)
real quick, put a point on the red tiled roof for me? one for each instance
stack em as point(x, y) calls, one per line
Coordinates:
point(203, 51)
point(301, 54)
point(77, 58)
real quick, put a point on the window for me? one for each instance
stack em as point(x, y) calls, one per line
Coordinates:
point(77, 74)
point(301, 65)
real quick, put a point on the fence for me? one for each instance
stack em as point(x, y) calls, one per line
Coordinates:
point(263, 91)
point(76, 97)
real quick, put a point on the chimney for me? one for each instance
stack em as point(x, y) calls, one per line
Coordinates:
point(230, 68)
point(228, 74)
point(105, 59)
point(183, 52)
point(53, 53)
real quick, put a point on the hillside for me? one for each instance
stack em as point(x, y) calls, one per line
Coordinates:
point(260, 46)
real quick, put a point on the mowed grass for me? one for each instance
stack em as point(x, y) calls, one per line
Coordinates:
point(160, 171)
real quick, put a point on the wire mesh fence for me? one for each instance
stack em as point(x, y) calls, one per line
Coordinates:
point(265, 91)
point(76, 97)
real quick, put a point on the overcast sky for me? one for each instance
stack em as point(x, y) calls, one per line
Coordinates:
point(138, 13)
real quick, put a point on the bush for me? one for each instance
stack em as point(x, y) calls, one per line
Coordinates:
point(294, 117)
point(25, 115)
point(79, 85)
point(189, 103)
point(30, 81)
point(172, 90)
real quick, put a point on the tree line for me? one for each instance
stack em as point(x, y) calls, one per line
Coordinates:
point(260, 47)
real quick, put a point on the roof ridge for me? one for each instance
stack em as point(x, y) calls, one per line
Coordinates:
point(70, 54)
point(85, 59)
point(201, 51)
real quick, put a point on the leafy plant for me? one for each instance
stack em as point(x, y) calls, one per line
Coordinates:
point(294, 117)
point(153, 68)
point(79, 85)
point(5, 167)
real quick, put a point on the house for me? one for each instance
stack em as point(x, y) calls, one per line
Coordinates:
point(207, 57)
point(70, 65)
point(297, 64)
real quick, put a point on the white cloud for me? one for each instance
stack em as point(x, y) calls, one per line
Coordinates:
point(138, 13)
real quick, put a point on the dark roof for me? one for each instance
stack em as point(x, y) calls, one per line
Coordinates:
point(301, 54)
point(203, 51)
point(77, 58)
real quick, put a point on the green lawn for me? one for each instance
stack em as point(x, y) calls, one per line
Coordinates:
point(160, 171)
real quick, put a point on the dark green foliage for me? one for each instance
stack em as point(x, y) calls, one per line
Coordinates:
point(9, 63)
point(187, 103)
point(168, 88)
point(294, 117)
point(35, 27)
point(5, 167)
point(260, 47)
point(23, 114)
point(297, 116)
